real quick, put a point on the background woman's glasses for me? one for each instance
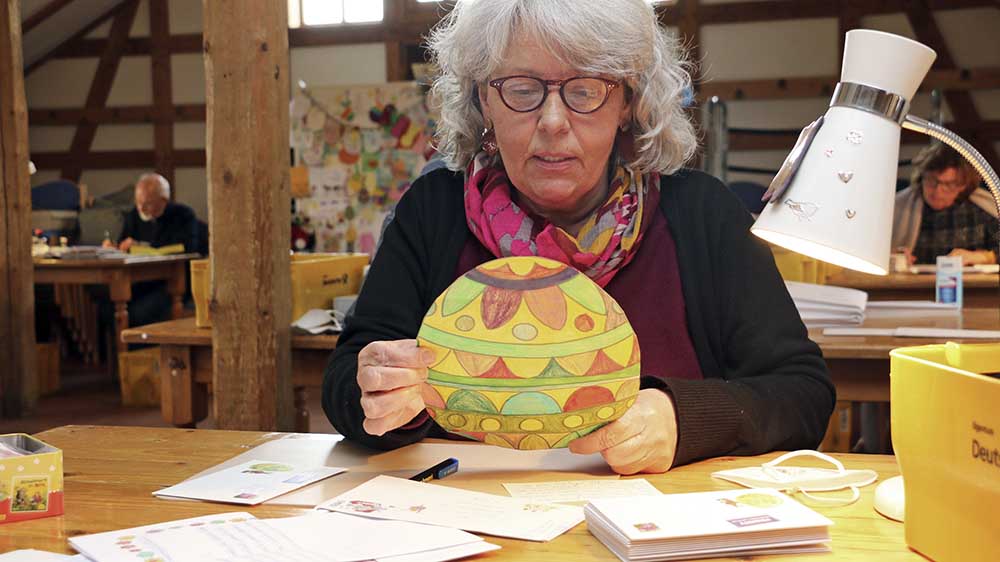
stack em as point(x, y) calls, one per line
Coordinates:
point(946, 186)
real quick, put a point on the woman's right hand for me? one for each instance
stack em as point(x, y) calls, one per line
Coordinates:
point(390, 374)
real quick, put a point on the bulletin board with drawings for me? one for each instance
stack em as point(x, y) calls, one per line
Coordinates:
point(358, 148)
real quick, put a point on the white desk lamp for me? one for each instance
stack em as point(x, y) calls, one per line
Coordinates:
point(833, 197)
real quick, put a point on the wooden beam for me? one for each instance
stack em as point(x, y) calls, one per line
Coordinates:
point(118, 159)
point(741, 140)
point(806, 87)
point(18, 377)
point(769, 10)
point(75, 37)
point(183, 113)
point(961, 104)
point(356, 33)
point(417, 23)
point(822, 86)
point(104, 77)
point(346, 34)
point(42, 14)
point(163, 124)
point(246, 79)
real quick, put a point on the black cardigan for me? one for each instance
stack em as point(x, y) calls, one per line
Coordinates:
point(765, 383)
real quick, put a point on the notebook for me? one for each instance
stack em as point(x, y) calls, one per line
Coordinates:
point(740, 522)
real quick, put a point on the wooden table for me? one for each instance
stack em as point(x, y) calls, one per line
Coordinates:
point(119, 275)
point(112, 471)
point(980, 289)
point(859, 365)
point(186, 368)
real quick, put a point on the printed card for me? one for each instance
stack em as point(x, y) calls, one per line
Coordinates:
point(249, 483)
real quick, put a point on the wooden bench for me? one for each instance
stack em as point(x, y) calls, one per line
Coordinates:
point(186, 368)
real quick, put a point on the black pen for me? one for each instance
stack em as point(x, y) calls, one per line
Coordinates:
point(438, 471)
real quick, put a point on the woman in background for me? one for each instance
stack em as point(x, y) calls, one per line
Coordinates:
point(944, 212)
point(564, 135)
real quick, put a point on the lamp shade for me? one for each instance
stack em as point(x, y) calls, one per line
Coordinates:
point(838, 204)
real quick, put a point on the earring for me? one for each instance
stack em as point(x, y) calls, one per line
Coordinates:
point(489, 142)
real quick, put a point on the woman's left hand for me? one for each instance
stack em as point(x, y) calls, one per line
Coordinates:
point(644, 439)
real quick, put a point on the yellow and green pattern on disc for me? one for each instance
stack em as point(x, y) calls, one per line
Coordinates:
point(527, 346)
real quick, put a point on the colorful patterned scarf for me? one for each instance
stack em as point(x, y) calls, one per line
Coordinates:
point(605, 244)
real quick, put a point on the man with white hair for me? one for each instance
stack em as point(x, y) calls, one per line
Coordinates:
point(156, 220)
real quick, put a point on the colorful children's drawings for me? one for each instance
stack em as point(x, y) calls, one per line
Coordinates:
point(363, 145)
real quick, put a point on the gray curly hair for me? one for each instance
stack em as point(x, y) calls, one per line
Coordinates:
point(617, 38)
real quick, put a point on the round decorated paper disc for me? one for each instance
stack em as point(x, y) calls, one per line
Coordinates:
point(531, 354)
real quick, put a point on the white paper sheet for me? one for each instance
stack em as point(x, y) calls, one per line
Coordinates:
point(385, 497)
point(315, 537)
point(481, 467)
point(579, 491)
point(444, 554)
point(916, 332)
point(850, 299)
point(125, 544)
point(249, 483)
point(889, 306)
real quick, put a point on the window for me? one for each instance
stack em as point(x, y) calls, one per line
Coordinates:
point(333, 12)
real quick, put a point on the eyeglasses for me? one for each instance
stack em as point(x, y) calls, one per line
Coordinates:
point(946, 186)
point(582, 94)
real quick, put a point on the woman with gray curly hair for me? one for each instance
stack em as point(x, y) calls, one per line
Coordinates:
point(564, 134)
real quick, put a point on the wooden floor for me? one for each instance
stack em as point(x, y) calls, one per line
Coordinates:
point(94, 399)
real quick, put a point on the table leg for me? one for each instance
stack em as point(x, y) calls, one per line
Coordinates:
point(176, 286)
point(121, 292)
point(183, 401)
point(301, 411)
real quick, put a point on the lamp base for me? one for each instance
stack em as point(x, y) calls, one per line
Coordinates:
point(890, 501)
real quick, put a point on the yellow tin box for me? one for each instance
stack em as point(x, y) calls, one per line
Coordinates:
point(31, 485)
point(946, 434)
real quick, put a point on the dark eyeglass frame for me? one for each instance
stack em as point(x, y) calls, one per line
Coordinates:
point(547, 84)
point(947, 187)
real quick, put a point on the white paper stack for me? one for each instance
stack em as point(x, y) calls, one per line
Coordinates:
point(85, 253)
point(823, 306)
point(741, 522)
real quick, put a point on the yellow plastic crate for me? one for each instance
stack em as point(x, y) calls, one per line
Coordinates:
point(946, 434)
point(139, 375)
point(796, 267)
point(316, 280)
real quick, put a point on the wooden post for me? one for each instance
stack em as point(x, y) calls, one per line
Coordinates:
point(249, 211)
point(689, 29)
point(163, 104)
point(395, 51)
point(18, 378)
